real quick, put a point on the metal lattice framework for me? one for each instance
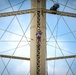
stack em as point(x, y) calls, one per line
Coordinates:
point(38, 25)
point(38, 49)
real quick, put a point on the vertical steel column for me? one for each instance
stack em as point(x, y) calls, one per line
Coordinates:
point(38, 46)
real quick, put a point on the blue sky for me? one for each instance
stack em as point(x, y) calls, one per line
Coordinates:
point(65, 37)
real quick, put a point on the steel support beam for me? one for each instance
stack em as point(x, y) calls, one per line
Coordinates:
point(53, 58)
point(59, 13)
point(33, 10)
point(62, 57)
point(16, 13)
point(14, 57)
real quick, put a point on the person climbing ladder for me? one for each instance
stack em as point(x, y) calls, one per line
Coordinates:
point(38, 36)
